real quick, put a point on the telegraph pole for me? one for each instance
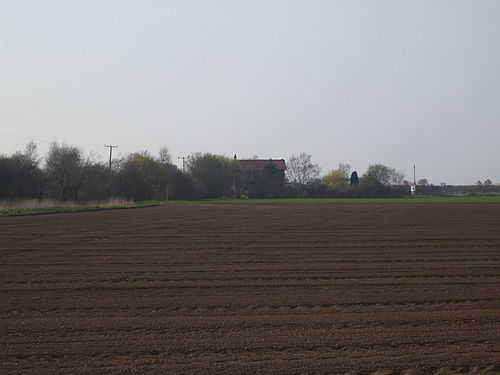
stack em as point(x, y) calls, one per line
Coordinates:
point(110, 154)
point(183, 161)
point(234, 177)
point(413, 187)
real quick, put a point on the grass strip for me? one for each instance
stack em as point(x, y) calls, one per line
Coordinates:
point(143, 204)
point(417, 200)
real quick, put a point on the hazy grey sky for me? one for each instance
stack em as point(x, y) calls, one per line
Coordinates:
point(360, 82)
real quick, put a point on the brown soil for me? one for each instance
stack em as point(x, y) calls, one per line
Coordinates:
point(248, 289)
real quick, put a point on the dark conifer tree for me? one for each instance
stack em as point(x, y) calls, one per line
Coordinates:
point(354, 180)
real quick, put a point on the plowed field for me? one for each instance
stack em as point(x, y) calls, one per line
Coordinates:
point(253, 289)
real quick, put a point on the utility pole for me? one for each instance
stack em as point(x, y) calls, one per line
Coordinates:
point(234, 176)
point(413, 187)
point(110, 154)
point(183, 161)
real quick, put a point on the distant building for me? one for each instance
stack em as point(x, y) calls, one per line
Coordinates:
point(262, 178)
point(259, 165)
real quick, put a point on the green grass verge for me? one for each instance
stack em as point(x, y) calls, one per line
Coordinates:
point(465, 199)
point(418, 200)
point(140, 204)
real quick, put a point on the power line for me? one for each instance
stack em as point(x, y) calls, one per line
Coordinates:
point(22, 137)
point(38, 140)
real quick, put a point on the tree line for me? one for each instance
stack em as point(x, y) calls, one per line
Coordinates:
point(67, 174)
point(379, 180)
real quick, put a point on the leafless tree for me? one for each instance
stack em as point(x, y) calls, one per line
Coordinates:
point(345, 169)
point(166, 173)
point(164, 156)
point(301, 170)
point(31, 154)
point(397, 177)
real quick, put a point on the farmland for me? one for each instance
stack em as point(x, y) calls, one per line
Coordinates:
point(253, 288)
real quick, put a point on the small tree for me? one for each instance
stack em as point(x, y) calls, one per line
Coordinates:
point(383, 175)
point(214, 176)
point(377, 174)
point(345, 169)
point(65, 171)
point(354, 180)
point(338, 177)
point(20, 174)
point(164, 156)
point(335, 179)
point(423, 182)
point(301, 170)
point(166, 173)
point(377, 180)
point(140, 177)
point(397, 177)
point(96, 183)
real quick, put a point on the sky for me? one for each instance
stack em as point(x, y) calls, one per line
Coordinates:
point(397, 82)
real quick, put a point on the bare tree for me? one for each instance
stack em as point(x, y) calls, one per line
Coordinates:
point(397, 177)
point(165, 177)
point(301, 170)
point(164, 156)
point(31, 154)
point(345, 169)
point(65, 171)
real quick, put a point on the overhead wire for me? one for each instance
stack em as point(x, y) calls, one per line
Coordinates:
point(93, 147)
point(38, 140)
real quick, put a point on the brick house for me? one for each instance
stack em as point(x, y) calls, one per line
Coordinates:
point(262, 178)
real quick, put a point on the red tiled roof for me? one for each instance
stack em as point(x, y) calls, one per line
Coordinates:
point(262, 163)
